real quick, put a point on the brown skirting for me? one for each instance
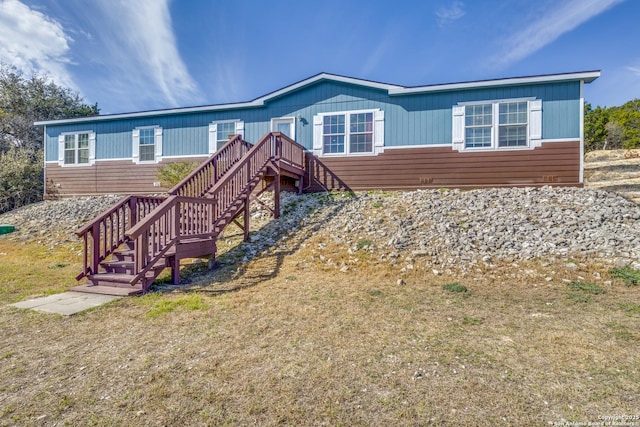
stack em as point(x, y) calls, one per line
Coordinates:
point(554, 163)
point(108, 177)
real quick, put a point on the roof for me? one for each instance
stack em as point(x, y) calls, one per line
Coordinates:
point(392, 90)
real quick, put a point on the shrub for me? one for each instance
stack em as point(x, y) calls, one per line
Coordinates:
point(586, 287)
point(629, 275)
point(172, 173)
point(21, 178)
point(455, 287)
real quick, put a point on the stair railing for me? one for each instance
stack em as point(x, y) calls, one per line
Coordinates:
point(198, 182)
point(106, 232)
point(182, 217)
point(179, 217)
point(288, 151)
point(226, 180)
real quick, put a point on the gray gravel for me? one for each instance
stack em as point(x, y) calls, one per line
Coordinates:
point(437, 228)
point(461, 229)
point(54, 221)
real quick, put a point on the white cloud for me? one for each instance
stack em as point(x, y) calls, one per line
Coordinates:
point(34, 42)
point(558, 18)
point(376, 56)
point(447, 15)
point(635, 69)
point(141, 48)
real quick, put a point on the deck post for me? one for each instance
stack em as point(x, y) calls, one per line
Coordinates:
point(95, 247)
point(133, 211)
point(246, 219)
point(276, 195)
point(175, 269)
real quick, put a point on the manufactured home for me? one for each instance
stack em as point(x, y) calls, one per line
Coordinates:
point(357, 134)
point(323, 133)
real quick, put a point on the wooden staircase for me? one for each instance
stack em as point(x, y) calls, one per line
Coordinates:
point(131, 243)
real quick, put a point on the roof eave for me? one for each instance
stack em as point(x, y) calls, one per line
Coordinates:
point(585, 76)
point(258, 102)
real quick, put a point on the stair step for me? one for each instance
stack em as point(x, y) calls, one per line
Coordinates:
point(124, 255)
point(112, 277)
point(121, 264)
point(108, 290)
point(120, 267)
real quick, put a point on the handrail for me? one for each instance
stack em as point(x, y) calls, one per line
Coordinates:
point(177, 218)
point(106, 232)
point(289, 151)
point(198, 182)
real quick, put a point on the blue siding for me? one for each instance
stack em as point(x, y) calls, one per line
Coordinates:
point(422, 119)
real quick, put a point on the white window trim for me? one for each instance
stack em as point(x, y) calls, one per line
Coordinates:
point(213, 132)
point(534, 125)
point(135, 145)
point(92, 149)
point(378, 133)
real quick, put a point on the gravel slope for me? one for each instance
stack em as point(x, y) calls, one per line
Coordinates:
point(442, 228)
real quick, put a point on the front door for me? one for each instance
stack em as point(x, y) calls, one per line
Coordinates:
point(286, 125)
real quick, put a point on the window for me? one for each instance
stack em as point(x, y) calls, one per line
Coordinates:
point(147, 144)
point(512, 126)
point(333, 132)
point(505, 124)
point(478, 125)
point(223, 132)
point(76, 149)
point(361, 133)
point(219, 133)
point(351, 132)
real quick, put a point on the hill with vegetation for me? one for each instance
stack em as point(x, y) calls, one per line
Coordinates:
point(613, 127)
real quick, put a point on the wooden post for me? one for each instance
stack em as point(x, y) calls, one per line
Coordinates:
point(133, 211)
point(246, 219)
point(175, 269)
point(95, 247)
point(276, 195)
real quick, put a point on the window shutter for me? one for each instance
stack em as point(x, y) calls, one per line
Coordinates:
point(535, 123)
point(457, 130)
point(240, 129)
point(317, 135)
point(92, 148)
point(378, 132)
point(135, 148)
point(213, 132)
point(61, 150)
point(158, 143)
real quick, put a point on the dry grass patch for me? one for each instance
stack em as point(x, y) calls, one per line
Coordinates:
point(30, 269)
point(304, 345)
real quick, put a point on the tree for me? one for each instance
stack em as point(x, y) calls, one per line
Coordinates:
point(595, 127)
point(628, 117)
point(614, 127)
point(18, 171)
point(615, 134)
point(22, 102)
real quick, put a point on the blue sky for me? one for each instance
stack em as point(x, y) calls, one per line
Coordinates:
point(133, 55)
